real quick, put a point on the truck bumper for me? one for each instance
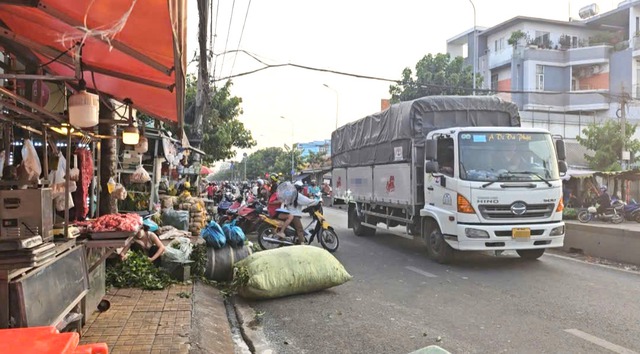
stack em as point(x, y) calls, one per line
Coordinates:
point(500, 237)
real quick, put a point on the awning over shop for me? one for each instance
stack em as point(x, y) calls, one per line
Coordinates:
point(577, 174)
point(132, 48)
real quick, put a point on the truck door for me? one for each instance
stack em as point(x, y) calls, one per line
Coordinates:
point(442, 187)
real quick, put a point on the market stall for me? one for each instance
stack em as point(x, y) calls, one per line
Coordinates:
point(74, 74)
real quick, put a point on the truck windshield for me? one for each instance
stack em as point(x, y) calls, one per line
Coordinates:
point(491, 156)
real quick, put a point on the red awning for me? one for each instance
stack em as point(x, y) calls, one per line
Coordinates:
point(145, 61)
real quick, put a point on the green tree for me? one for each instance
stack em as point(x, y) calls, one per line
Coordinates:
point(606, 141)
point(222, 132)
point(315, 159)
point(435, 75)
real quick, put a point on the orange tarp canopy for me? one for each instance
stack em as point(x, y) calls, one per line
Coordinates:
point(143, 61)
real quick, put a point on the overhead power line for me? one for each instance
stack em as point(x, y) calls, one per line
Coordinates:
point(244, 23)
point(226, 44)
point(399, 82)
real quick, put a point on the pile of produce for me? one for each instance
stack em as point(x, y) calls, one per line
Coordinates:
point(136, 271)
point(117, 222)
point(197, 213)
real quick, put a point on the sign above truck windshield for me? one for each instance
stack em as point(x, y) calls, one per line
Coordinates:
point(491, 156)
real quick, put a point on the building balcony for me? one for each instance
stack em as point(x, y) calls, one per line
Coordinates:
point(592, 100)
point(571, 56)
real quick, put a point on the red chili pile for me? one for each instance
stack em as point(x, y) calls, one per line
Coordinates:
point(117, 222)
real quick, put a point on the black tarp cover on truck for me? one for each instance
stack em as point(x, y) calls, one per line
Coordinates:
point(386, 137)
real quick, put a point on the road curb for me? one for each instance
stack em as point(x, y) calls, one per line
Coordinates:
point(251, 327)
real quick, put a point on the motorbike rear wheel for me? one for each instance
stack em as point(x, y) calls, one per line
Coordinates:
point(617, 219)
point(267, 232)
point(585, 216)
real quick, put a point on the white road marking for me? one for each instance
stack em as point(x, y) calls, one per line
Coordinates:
point(593, 264)
point(421, 272)
point(600, 342)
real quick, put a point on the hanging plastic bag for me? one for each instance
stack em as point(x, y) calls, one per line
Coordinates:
point(119, 192)
point(74, 173)
point(30, 161)
point(140, 175)
point(111, 185)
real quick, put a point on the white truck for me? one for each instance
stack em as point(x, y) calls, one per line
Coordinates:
point(457, 171)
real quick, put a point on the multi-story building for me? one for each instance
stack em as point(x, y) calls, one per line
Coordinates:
point(563, 75)
point(319, 146)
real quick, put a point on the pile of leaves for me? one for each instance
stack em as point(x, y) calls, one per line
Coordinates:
point(199, 258)
point(136, 271)
point(569, 214)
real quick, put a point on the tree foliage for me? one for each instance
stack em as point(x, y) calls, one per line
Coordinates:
point(606, 141)
point(435, 75)
point(222, 132)
point(315, 159)
point(268, 160)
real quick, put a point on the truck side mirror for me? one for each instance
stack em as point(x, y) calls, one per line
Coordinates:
point(560, 150)
point(431, 150)
point(563, 167)
point(431, 167)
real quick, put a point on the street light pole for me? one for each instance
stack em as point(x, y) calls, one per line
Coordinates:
point(337, 102)
point(475, 47)
point(292, 142)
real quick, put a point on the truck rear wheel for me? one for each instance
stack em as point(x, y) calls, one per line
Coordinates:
point(437, 248)
point(531, 254)
point(358, 228)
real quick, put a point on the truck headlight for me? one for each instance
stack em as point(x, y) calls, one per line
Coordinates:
point(476, 233)
point(557, 231)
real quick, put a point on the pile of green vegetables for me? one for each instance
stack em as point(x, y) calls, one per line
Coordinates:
point(136, 271)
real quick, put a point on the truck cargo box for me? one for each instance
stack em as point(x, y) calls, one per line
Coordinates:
point(387, 137)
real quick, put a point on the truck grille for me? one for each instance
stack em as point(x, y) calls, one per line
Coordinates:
point(489, 211)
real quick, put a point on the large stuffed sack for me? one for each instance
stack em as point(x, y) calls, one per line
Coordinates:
point(289, 271)
point(176, 218)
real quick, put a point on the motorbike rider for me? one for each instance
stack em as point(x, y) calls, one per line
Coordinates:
point(604, 200)
point(295, 210)
point(314, 190)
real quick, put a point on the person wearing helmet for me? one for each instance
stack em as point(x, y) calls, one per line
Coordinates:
point(295, 209)
point(604, 200)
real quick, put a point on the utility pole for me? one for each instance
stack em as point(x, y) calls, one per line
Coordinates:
point(623, 127)
point(202, 94)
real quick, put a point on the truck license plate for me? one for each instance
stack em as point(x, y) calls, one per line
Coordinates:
point(521, 233)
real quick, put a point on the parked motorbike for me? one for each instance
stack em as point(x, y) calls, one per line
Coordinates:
point(317, 227)
point(247, 216)
point(631, 211)
point(613, 214)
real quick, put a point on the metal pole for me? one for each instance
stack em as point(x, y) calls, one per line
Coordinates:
point(67, 185)
point(292, 143)
point(623, 118)
point(475, 47)
point(337, 102)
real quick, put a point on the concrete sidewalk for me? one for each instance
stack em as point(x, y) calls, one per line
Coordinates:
point(162, 321)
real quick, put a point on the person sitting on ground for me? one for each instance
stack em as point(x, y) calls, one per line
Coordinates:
point(148, 243)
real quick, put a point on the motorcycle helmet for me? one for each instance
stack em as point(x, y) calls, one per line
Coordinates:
point(298, 185)
point(273, 177)
point(260, 182)
point(603, 188)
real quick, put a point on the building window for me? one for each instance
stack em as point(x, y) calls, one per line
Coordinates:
point(574, 42)
point(543, 39)
point(575, 84)
point(496, 45)
point(501, 43)
point(494, 82)
point(540, 77)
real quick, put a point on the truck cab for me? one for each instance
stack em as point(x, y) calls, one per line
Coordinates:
point(492, 188)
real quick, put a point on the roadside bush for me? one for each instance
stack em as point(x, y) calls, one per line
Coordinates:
point(569, 214)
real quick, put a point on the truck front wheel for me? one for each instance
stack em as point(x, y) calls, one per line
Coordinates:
point(438, 249)
point(531, 254)
point(358, 228)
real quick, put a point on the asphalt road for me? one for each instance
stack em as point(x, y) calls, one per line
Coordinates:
point(400, 301)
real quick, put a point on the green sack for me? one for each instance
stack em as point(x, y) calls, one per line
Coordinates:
point(288, 271)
